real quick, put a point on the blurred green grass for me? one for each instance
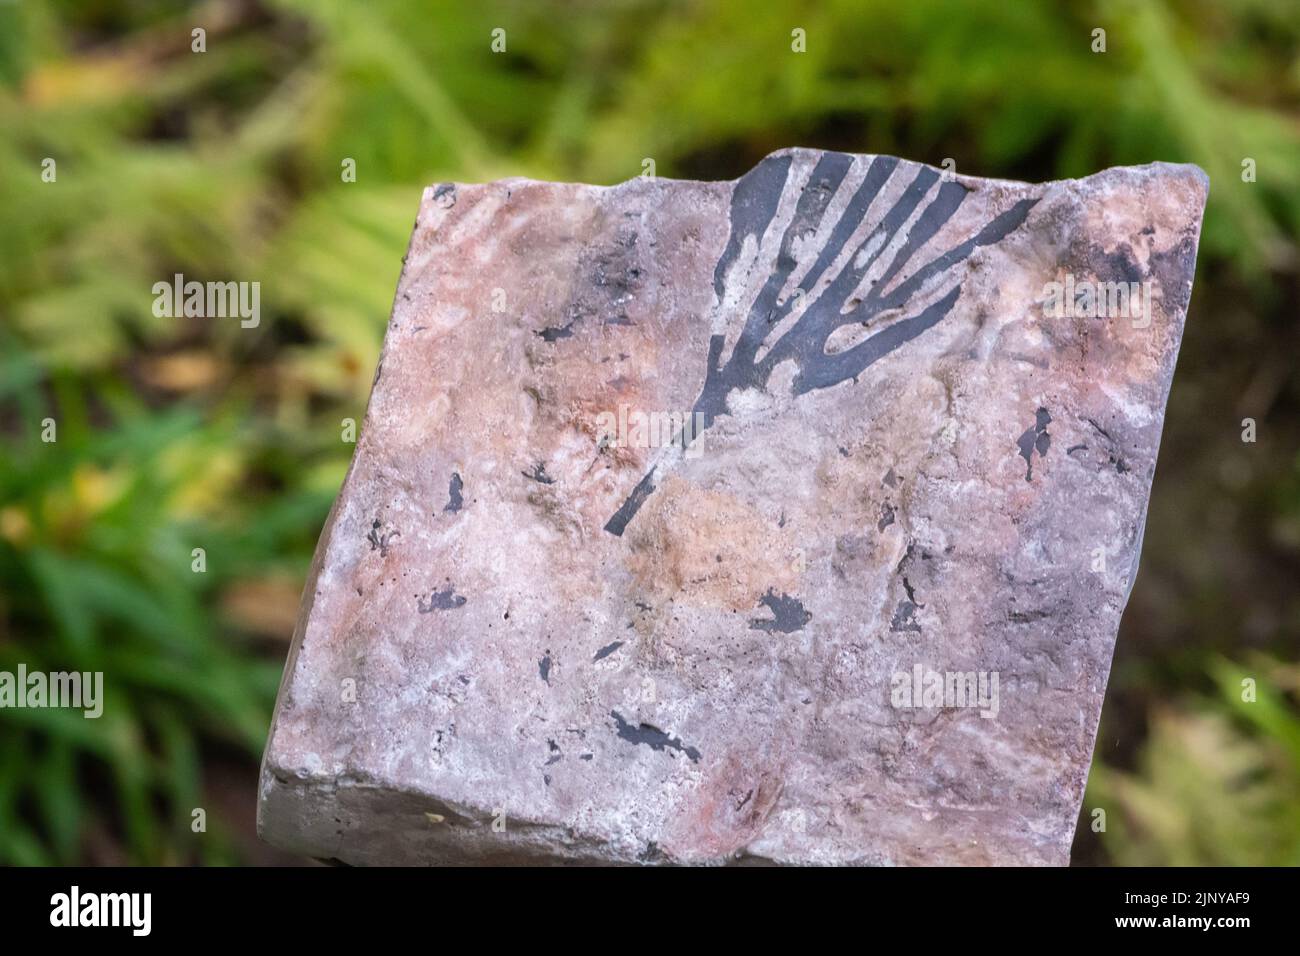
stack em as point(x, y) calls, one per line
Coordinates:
point(175, 434)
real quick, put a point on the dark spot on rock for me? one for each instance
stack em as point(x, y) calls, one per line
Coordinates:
point(454, 498)
point(539, 474)
point(890, 479)
point(444, 194)
point(651, 854)
point(911, 593)
point(544, 668)
point(1123, 263)
point(886, 516)
point(1114, 458)
point(555, 332)
point(1026, 445)
point(652, 737)
point(1100, 431)
point(788, 614)
point(1173, 270)
point(585, 756)
point(444, 600)
point(380, 541)
point(1028, 617)
point(607, 650)
point(905, 618)
point(1035, 438)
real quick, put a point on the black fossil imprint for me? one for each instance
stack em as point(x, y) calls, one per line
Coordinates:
point(818, 314)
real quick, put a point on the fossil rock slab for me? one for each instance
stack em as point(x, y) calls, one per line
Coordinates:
point(784, 519)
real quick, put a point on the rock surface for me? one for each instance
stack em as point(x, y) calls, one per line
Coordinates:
point(685, 515)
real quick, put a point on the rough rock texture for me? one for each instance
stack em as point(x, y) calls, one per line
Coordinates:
point(527, 636)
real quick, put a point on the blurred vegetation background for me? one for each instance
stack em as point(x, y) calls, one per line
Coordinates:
point(226, 164)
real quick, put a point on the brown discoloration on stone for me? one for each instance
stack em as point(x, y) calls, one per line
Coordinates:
point(708, 548)
point(763, 602)
point(731, 808)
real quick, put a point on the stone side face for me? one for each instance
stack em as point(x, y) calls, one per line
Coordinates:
point(535, 633)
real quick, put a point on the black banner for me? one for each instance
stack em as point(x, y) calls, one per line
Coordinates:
point(336, 905)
